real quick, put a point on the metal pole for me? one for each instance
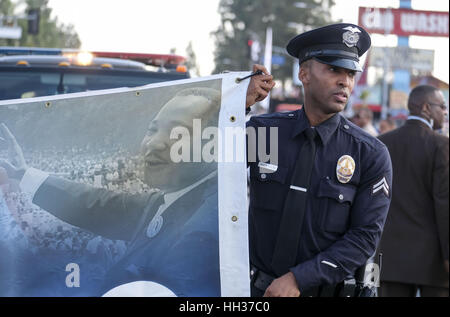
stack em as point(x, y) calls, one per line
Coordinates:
point(267, 63)
point(386, 68)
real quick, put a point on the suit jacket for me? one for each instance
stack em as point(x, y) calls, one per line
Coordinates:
point(415, 239)
point(183, 256)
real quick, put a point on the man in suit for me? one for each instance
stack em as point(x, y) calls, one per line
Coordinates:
point(173, 229)
point(414, 244)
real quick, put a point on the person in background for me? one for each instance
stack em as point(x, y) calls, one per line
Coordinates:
point(387, 125)
point(415, 245)
point(363, 119)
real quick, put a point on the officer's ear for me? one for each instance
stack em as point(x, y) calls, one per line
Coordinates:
point(304, 73)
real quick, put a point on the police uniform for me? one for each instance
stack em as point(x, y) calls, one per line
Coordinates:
point(348, 196)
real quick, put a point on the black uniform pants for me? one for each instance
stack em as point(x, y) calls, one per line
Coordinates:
point(395, 289)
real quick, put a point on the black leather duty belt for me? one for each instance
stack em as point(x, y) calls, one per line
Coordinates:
point(261, 280)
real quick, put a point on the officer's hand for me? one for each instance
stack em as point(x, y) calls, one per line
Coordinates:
point(259, 87)
point(284, 286)
point(15, 167)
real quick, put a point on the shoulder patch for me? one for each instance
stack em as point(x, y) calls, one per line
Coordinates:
point(381, 186)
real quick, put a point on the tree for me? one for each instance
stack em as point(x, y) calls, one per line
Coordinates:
point(244, 20)
point(6, 10)
point(52, 33)
point(191, 62)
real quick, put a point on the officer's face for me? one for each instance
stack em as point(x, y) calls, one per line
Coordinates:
point(160, 169)
point(327, 87)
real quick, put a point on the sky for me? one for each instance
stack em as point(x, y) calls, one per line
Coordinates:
point(156, 26)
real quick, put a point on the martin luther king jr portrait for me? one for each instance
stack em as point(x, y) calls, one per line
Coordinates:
point(172, 228)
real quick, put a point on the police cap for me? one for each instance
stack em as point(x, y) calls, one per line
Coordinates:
point(339, 45)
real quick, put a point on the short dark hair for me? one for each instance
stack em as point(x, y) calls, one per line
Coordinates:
point(418, 96)
point(306, 64)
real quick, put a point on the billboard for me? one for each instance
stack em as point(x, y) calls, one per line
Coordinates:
point(403, 57)
point(404, 22)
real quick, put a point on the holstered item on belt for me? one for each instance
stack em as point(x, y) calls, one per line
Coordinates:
point(260, 279)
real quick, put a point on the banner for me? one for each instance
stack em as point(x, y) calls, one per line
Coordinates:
point(126, 192)
point(404, 22)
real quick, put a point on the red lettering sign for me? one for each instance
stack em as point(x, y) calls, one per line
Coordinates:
point(404, 22)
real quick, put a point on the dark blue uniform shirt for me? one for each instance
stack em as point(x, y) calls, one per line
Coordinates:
point(343, 222)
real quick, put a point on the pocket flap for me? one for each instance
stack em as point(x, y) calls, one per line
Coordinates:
point(340, 192)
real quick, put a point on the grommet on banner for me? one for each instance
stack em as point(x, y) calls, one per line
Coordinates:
point(258, 72)
point(138, 93)
point(234, 218)
point(48, 104)
point(232, 118)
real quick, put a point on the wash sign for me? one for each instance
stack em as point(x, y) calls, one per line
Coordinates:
point(404, 22)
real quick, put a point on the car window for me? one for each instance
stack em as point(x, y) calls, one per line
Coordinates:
point(26, 83)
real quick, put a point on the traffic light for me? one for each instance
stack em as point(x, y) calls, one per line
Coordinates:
point(33, 21)
point(254, 50)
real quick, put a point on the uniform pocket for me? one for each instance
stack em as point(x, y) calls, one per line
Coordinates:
point(335, 203)
point(268, 190)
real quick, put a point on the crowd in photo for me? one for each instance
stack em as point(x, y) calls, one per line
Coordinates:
point(26, 225)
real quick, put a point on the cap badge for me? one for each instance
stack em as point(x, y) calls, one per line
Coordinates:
point(345, 168)
point(351, 37)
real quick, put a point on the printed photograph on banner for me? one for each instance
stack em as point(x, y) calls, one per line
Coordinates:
point(106, 191)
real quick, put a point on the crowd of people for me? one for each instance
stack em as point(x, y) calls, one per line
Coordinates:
point(26, 225)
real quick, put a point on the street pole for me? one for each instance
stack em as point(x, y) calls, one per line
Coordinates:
point(267, 63)
point(388, 23)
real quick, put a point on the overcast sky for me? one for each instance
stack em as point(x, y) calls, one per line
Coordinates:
point(156, 26)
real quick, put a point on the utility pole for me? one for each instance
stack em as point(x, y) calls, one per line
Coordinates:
point(267, 63)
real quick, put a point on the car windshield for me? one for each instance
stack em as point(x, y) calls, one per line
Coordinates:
point(28, 83)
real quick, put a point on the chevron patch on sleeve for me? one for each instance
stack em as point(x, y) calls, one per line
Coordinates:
point(381, 186)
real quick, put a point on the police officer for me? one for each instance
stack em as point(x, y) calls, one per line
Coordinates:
point(316, 211)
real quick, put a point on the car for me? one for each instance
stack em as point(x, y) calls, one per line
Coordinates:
point(32, 72)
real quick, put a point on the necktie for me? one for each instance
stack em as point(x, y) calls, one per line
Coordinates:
point(286, 246)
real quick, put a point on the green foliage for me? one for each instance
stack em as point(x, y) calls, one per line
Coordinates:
point(248, 19)
point(51, 32)
point(6, 7)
